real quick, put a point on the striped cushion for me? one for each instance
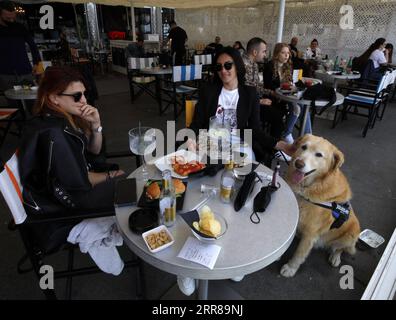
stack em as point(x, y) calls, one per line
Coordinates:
point(11, 188)
point(141, 63)
point(186, 73)
point(203, 59)
point(361, 99)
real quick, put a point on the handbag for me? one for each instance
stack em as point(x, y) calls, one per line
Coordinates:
point(320, 92)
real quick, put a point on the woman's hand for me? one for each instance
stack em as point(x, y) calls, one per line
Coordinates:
point(99, 177)
point(289, 149)
point(191, 145)
point(265, 102)
point(90, 114)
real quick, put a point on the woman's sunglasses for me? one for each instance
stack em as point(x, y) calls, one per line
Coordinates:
point(227, 65)
point(77, 96)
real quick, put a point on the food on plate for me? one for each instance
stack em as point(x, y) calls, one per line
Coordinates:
point(179, 186)
point(207, 223)
point(286, 86)
point(184, 168)
point(158, 239)
point(308, 83)
point(153, 191)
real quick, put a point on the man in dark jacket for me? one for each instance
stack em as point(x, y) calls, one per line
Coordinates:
point(178, 38)
point(15, 66)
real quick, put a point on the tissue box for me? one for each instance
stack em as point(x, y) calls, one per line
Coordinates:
point(151, 37)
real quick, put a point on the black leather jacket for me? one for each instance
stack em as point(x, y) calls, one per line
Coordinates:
point(52, 165)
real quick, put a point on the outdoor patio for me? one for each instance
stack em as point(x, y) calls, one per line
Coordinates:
point(370, 164)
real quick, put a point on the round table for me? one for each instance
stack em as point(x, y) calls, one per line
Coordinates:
point(22, 95)
point(304, 102)
point(334, 78)
point(245, 247)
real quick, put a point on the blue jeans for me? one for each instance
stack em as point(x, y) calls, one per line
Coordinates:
point(292, 120)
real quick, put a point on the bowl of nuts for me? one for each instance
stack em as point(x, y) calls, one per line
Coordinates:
point(158, 238)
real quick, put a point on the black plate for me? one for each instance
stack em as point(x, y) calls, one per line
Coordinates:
point(142, 220)
point(145, 202)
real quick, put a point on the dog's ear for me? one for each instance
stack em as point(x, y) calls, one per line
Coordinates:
point(338, 159)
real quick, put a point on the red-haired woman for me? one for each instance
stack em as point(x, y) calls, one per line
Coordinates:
point(57, 142)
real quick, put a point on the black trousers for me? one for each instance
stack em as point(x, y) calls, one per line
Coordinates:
point(272, 117)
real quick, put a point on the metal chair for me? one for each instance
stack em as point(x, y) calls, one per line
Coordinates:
point(138, 80)
point(206, 61)
point(30, 229)
point(178, 88)
point(365, 99)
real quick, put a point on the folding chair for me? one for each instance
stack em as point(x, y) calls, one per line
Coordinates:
point(29, 229)
point(177, 90)
point(9, 116)
point(365, 99)
point(136, 79)
point(206, 61)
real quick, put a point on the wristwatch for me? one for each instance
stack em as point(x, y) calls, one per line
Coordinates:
point(98, 129)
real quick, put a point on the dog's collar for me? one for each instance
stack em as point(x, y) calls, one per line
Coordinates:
point(339, 211)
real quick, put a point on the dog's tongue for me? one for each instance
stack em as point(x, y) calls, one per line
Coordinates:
point(297, 176)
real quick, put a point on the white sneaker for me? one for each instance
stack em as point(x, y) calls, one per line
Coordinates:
point(186, 285)
point(238, 279)
point(289, 139)
point(281, 156)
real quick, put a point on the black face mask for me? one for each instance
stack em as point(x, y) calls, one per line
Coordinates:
point(261, 202)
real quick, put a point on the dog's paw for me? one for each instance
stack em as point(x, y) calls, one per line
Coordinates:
point(288, 271)
point(335, 259)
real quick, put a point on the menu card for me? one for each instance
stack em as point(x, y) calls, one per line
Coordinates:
point(199, 252)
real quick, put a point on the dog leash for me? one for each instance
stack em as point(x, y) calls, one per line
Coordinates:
point(339, 211)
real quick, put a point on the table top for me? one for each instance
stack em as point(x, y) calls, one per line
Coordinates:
point(21, 94)
point(344, 76)
point(156, 71)
point(294, 99)
point(245, 247)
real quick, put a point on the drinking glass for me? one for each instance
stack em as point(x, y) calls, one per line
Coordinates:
point(219, 137)
point(142, 142)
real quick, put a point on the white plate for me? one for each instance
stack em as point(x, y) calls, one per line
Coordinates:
point(165, 163)
point(157, 230)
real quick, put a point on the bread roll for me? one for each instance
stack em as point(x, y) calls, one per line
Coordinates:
point(179, 186)
point(153, 191)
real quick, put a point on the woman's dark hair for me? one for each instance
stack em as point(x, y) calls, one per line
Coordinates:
point(315, 40)
point(55, 81)
point(240, 46)
point(239, 65)
point(362, 60)
point(389, 46)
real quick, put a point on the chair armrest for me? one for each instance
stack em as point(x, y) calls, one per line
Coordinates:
point(68, 216)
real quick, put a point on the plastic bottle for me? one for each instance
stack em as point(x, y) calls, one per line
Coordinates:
point(167, 201)
point(227, 183)
point(335, 68)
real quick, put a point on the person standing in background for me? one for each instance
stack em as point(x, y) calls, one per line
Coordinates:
point(177, 37)
point(14, 61)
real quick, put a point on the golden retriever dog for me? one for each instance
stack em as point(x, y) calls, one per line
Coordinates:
point(314, 175)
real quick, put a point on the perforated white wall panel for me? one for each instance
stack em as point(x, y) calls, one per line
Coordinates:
point(306, 19)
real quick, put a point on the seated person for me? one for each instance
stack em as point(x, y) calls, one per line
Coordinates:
point(238, 45)
point(389, 52)
point(55, 146)
point(136, 49)
point(230, 93)
point(214, 47)
point(375, 53)
point(313, 51)
point(279, 70)
point(295, 54)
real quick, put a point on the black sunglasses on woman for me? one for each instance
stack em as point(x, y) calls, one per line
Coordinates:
point(77, 95)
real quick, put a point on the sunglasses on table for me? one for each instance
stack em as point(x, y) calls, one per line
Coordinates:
point(227, 65)
point(77, 95)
